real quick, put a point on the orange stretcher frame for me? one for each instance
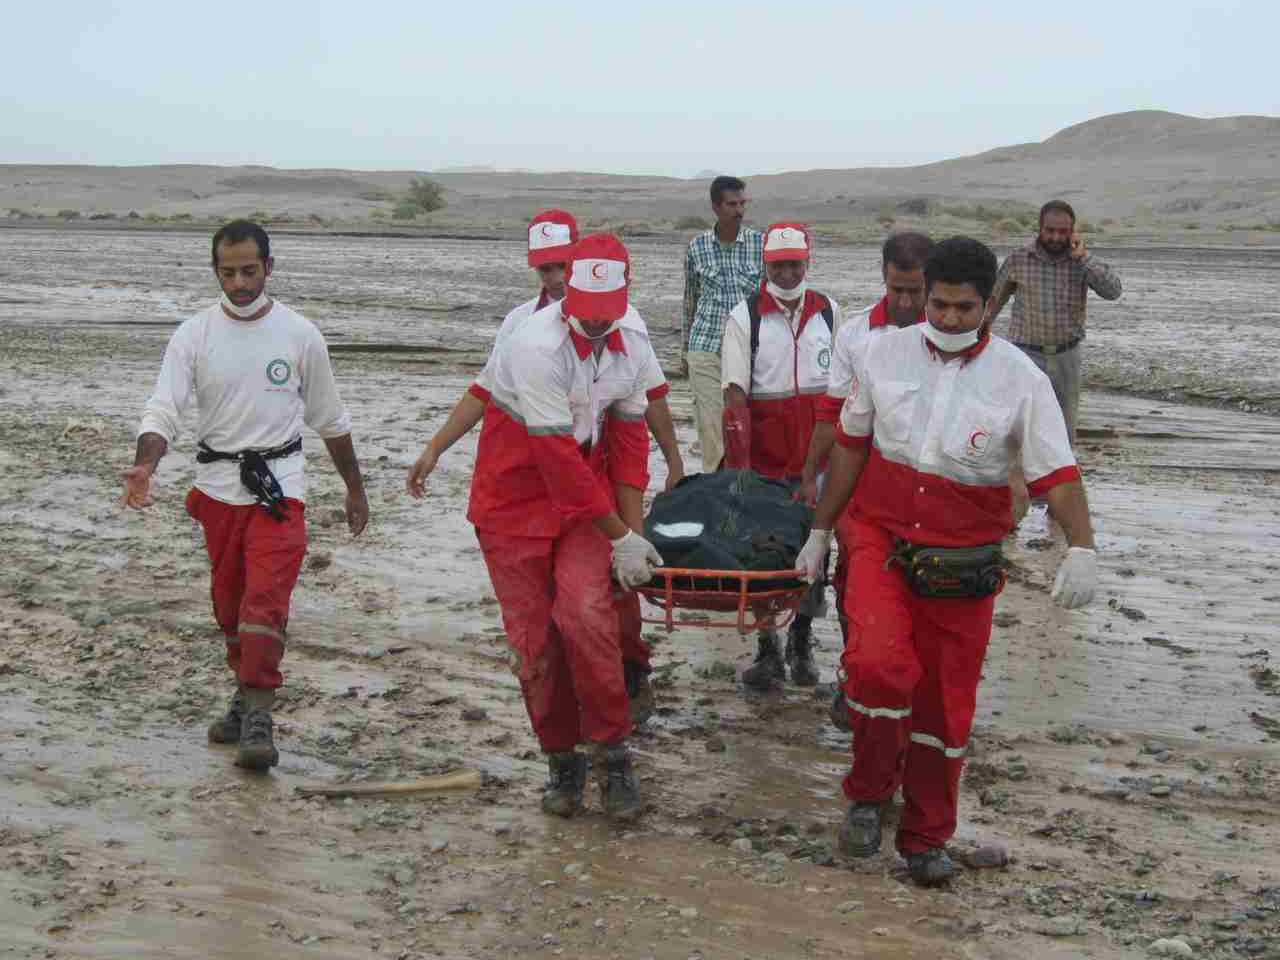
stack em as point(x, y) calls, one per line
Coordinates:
point(757, 610)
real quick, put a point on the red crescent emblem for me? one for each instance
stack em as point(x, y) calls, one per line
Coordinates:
point(546, 230)
point(978, 441)
point(599, 271)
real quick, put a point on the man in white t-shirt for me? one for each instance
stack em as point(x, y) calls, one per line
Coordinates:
point(552, 234)
point(257, 372)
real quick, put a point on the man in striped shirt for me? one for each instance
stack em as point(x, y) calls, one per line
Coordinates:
point(721, 269)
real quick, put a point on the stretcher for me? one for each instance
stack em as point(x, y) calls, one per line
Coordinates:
point(761, 599)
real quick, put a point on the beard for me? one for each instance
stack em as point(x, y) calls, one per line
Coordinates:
point(1055, 247)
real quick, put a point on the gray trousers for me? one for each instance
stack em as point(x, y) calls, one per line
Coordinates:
point(1063, 370)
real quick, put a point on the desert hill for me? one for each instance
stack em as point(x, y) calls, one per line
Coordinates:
point(1141, 171)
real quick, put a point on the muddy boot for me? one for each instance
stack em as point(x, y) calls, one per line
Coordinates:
point(804, 672)
point(768, 671)
point(931, 868)
point(257, 746)
point(639, 693)
point(226, 729)
point(618, 793)
point(567, 778)
point(860, 832)
point(840, 710)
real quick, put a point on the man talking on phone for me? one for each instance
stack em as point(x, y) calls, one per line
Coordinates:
point(1049, 280)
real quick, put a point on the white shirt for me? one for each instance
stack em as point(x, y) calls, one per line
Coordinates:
point(786, 365)
point(255, 383)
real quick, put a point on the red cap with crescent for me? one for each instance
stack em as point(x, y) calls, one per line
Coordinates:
point(786, 241)
point(552, 234)
point(598, 277)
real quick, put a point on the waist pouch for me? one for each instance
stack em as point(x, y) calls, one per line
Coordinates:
point(950, 573)
point(255, 474)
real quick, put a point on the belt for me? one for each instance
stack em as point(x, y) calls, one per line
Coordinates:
point(1049, 349)
point(206, 454)
point(254, 472)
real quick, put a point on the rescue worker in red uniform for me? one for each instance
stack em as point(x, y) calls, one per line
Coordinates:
point(257, 372)
point(936, 415)
point(556, 502)
point(774, 369)
point(552, 234)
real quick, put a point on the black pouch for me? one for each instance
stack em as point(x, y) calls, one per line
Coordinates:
point(951, 573)
point(258, 479)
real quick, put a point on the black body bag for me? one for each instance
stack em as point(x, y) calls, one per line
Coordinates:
point(728, 520)
point(950, 573)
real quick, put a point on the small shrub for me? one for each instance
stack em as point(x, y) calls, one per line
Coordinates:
point(133, 215)
point(68, 214)
point(377, 214)
point(1191, 226)
point(103, 216)
point(181, 216)
point(425, 195)
point(692, 223)
point(406, 209)
point(917, 206)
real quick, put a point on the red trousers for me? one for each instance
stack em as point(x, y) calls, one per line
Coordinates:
point(564, 626)
point(913, 669)
point(256, 560)
point(634, 650)
point(840, 577)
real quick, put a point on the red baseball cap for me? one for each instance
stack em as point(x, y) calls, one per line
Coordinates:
point(552, 234)
point(598, 277)
point(786, 241)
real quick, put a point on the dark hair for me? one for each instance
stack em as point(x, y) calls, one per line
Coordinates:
point(238, 231)
point(722, 185)
point(961, 260)
point(1057, 206)
point(906, 251)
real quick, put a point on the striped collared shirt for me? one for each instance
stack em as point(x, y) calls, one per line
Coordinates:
point(716, 279)
point(1049, 294)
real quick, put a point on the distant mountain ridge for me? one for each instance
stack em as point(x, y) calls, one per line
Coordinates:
point(1141, 167)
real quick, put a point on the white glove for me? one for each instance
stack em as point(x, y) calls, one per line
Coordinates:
point(813, 556)
point(1077, 578)
point(634, 560)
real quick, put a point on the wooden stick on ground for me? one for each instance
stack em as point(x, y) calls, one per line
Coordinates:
point(454, 780)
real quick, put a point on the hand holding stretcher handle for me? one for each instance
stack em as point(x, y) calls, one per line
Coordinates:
point(813, 555)
point(634, 560)
point(736, 425)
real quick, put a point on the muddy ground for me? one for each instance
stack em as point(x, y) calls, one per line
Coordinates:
point(1127, 756)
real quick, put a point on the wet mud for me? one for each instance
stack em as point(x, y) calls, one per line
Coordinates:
point(1126, 757)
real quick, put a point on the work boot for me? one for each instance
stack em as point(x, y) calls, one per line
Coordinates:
point(860, 832)
point(567, 778)
point(639, 692)
point(226, 729)
point(618, 791)
point(804, 672)
point(257, 746)
point(931, 868)
point(768, 671)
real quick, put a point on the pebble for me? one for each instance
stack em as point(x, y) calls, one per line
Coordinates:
point(880, 931)
point(1162, 790)
point(689, 913)
point(1171, 948)
point(571, 868)
point(742, 845)
point(849, 906)
point(988, 857)
point(403, 877)
point(439, 846)
point(475, 714)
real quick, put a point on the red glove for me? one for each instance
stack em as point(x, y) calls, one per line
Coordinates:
point(736, 424)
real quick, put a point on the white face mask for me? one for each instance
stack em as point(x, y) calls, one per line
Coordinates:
point(576, 324)
point(949, 342)
point(778, 293)
point(245, 312)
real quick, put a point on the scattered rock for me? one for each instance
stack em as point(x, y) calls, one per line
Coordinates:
point(742, 845)
point(475, 714)
point(319, 561)
point(1171, 948)
point(1161, 790)
point(715, 745)
point(849, 906)
point(1057, 926)
point(986, 858)
point(689, 913)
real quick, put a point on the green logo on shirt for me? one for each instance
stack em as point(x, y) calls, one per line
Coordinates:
point(824, 358)
point(279, 371)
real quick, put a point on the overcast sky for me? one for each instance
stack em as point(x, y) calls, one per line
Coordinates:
point(641, 87)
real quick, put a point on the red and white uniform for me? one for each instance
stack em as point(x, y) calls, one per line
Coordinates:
point(942, 437)
point(254, 383)
point(790, 377)
point(851, 340)
point(563, 426)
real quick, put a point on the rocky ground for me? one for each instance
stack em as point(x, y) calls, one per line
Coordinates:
point(1119, 800)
